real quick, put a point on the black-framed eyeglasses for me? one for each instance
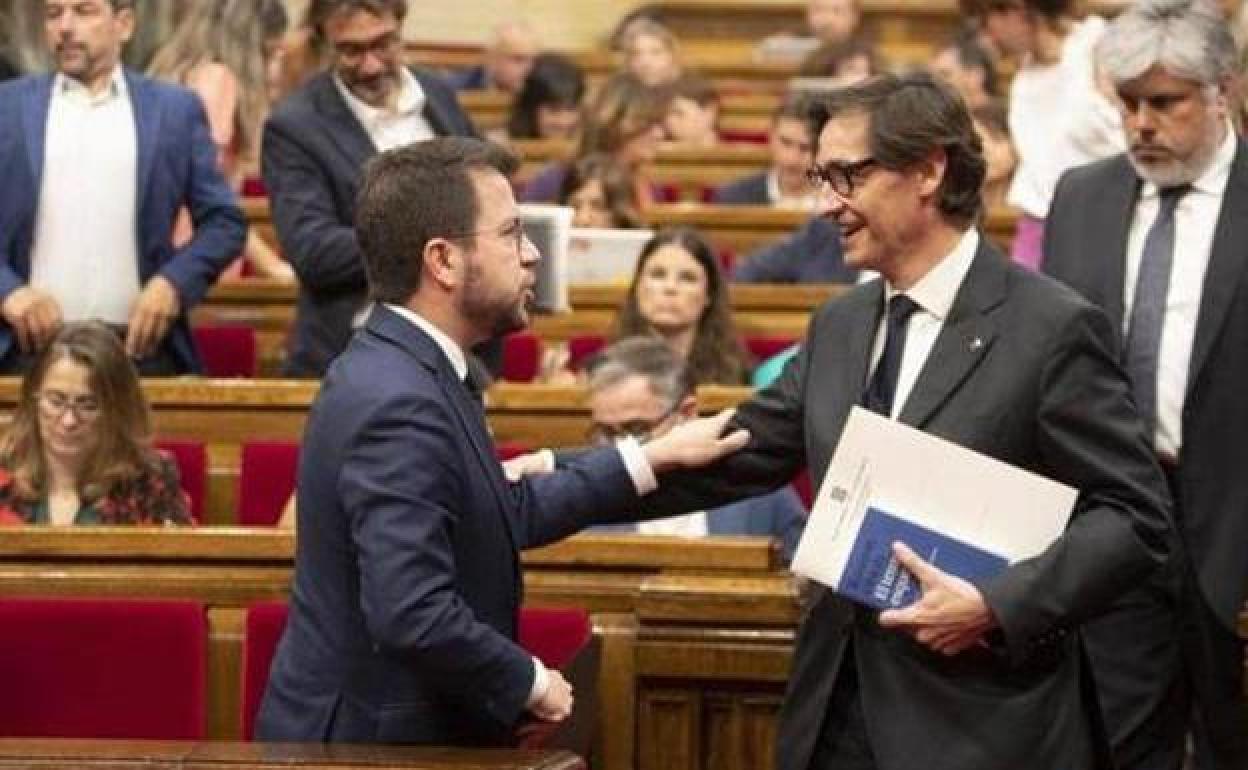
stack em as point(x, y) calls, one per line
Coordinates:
point(840, 177)
point(642, 430)
point(54, 404)
point(513, 230)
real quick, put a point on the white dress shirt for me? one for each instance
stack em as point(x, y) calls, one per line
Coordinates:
point(85, 252)
point(1195, 219)
point(807, 202)
point(390, 128)
point(934, 294)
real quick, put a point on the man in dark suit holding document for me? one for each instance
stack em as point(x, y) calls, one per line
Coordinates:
point(958, 342)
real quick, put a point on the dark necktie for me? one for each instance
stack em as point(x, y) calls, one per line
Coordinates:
point(883, 385)
point(1148, 307)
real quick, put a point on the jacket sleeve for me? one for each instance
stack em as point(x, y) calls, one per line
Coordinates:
point(320, 247)
point(219, 225)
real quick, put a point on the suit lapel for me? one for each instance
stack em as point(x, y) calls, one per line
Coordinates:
point(35, 100)
point(1109, 237)
point(1226, 262)
point(386, 323)
point(435, 111)
point(345, 130)
point(147, 119)
point(965, 337)
point(863, 320)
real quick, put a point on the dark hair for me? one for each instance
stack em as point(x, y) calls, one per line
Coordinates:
point(973, 56)
point(694, 87)
point(908, 116)
point(619, 186)
point(994, 118)
point(555, 81)
point(123, 451)
point(827, 60)
point(321, 11)
point(1050, 10)
point(413, 194)
point(717, 355)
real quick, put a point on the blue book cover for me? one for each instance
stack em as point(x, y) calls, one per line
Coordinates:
point(874, 577)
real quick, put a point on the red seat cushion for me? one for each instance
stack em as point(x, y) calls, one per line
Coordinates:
point(227, 351)
point(103, 668)
point(264, 626)
point(522, 357)
point(266, 480)
point(192, 461)
point(554, 634)
point(804, 488)
point(509, 449)
point(764, 347)
point(581, 347)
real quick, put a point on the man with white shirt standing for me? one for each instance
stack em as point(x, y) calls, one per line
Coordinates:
point(315, 145)
point(407, 577)
point(98, 162)
point(956, 341)
point(1158, 237)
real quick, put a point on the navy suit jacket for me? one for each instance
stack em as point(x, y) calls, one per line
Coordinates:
point(810, 255)
point(313, 159)
point(177, 167)
point(407, 576)
point(747, 191)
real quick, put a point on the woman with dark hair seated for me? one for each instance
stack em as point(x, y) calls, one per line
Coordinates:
point(549, 103)
point(79, 448)
point(601, 192)
point(679, 294)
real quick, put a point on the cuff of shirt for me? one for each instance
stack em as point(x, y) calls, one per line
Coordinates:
point(541, 683)
point(637, 465)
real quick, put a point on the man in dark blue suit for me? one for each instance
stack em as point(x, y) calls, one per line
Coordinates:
point(784, 183)
point(407, 575)
point(99, 161)
point(315, 145)
point(813, 254)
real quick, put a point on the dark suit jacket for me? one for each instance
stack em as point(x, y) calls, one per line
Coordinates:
point(313, 159)
point(471, 79)
point(1085, 246)
point(811, 255)
point(747, 191)
point(407, 576)
point(177, 166)
point(1024, 371)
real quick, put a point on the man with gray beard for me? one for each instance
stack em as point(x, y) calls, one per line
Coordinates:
point(1159, 238)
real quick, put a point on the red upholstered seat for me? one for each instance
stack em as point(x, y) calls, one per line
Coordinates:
point(764, 347)
point(522, 357)
point(554, 634)
point(192, 461)
point(266, 479)
point(581, 347)
point(103, 668)
point(226, 351)
point(804, 488)
point(264, 626)
point(509, 449)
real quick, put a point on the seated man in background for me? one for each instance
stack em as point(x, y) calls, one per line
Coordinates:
point(813, 254)
point(784, 183)
point(508, 59)
point(639, 387)
point(692, 118)
point(98, 162)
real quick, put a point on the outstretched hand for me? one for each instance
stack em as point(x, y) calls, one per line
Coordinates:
point(949, 616)
point(695, 443)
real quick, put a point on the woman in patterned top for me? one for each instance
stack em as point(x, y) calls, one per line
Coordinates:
point(79, 450)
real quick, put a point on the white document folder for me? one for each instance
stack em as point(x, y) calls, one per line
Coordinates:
point(881, 465)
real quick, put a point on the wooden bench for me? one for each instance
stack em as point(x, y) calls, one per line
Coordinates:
point(50, 753)
point(738, 112)
point(627, 583)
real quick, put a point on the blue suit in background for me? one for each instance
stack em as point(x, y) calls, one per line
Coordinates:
point(177, 167)
point(810, 255)
point(407, 574)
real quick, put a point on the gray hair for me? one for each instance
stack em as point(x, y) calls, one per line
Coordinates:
point(1188, 38)
point(648, 357)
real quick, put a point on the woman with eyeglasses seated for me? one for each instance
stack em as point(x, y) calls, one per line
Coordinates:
point(79, 448)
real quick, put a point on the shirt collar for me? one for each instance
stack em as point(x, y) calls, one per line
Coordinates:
point(1214, 178)
point(411, 100)
point(778, 197)
point(448, 346)
point(936, 291)
point(67, 86)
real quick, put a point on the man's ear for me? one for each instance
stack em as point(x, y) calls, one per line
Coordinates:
point(688, 408)
point(125, 18)
point(441, 262)
point(931, 171)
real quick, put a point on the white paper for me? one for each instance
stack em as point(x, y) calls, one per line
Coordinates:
point(935, 483)
point(548, 227)
point(598, 255)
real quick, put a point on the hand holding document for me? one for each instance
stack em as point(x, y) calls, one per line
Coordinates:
point(966, 514)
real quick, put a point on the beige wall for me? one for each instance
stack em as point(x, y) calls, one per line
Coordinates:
point(564, 24)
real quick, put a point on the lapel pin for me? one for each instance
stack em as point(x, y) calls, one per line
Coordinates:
point(976, 344)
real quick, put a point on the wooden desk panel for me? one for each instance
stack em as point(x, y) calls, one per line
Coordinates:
point(48, 753)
